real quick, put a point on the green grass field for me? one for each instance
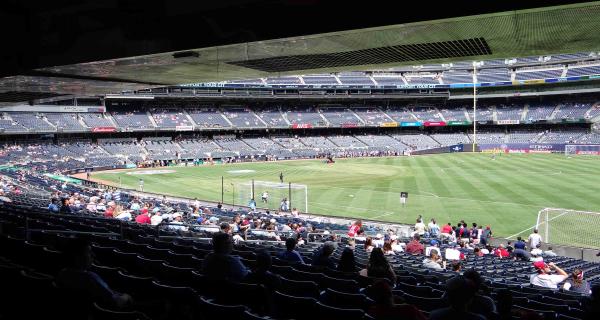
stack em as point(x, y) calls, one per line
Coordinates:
point(506, 193)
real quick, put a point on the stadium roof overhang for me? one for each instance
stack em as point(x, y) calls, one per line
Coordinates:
point(550, 30)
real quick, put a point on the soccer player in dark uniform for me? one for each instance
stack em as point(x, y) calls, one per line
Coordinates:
point(281, 177)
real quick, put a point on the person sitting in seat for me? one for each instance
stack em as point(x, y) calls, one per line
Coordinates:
point(459, 293)
point(379, 267)
point(347, 262)
point(261, 274)
point(78, 279)
point(434, 261)
point(544, 278)
point(415, 246)
point(386, 308)
point(576, 283)
point(290, 254)
point(220, 264)
point(323, 258)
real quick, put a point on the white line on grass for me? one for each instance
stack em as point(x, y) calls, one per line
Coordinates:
point(439, 197)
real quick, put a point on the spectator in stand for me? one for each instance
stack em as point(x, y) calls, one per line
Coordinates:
point(534, 239)
point(520, 244)
point(433, 229)
point(290, 254)
point(220, 264)
point(434, 261)
point(544, 279)
point(177, 223)
point(261, 274)
point(78, 279)
point(501, 252)
point(53, 206)
point(520, 254)
point(549, 253)
point(482, 303)
point(353, 230)
point(537, 251)
point(110, 210)
point(379, 267)
point(369, 245)
point(591, 305)
point(447, 229)
point(477, 252)
point(387, 248)
point(576, 283)
point(474, 233)
point(322, 257)
point(457, 267)
point(433, 245)
point(419, 227)
point(144, 217)
point(459, 294)
point(157, 217)
point(486, 235)
point(385, 307)
point(415, 246)
point(65, 207)
point(347, 263)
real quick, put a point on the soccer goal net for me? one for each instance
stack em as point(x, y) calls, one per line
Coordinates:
point(582, 149)
point(569, 227)
point(273, 195)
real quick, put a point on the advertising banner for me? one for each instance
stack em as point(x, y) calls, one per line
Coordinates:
point(411, 124)
point(104, 129)
point(301, 126)
point(459, 123)
point(184, 128)
point(507, 122)
point(456, 148)
point(524, 147)
point(389, 124)
point(435, 123)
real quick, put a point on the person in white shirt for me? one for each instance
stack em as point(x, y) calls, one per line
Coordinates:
point(124, 215)
point(265, 197)
point(536, 251)
point(156, 218)
point(419, 228)
point(434, 261)
point(534, 239)
point(546, 280)
point(177, 224)
point(397, 247)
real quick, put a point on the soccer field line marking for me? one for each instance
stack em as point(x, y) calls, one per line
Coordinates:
point(558, 216)
point(444, 197)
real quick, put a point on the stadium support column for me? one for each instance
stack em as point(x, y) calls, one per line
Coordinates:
point(474, 106)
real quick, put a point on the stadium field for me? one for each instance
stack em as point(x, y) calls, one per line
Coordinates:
point(506, 193)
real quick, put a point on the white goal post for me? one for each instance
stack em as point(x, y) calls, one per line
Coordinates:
point(296, 194)
point(569, 227)
point(582, 149)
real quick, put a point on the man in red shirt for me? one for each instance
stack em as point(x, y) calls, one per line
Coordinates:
point(447, 228)
point(501, 252)
point(415, 247)
point(144, 217)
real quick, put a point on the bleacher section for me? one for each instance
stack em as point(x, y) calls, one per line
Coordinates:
point(31, 121)
point(372, 116)
point(132, 120)
point(65, 121)
point(170, 118)
point(96, 120)
point(340, 116)
point(242, 117)
point(208, 117)
point(304, 116)
point(417, 141)
point(451, 138)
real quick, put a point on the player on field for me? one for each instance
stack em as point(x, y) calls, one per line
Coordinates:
point(281, 177)
point(265, 197)
point(142, 185)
